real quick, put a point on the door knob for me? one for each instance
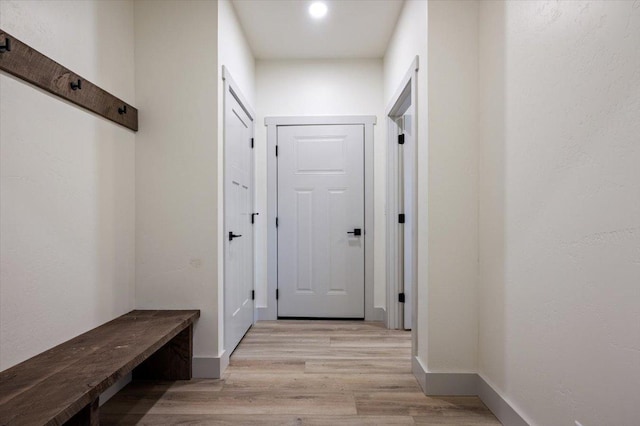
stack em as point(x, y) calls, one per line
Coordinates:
point(356, 232)
point(232, 236)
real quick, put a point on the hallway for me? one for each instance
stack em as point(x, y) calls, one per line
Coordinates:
point(302, 372)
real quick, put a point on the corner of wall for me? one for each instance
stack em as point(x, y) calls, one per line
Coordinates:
point(467, 384)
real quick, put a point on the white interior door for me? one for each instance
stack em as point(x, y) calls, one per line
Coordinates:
point(238, 285)
point(321, 221)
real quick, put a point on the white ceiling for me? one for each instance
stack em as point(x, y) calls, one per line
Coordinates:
point(284, 29)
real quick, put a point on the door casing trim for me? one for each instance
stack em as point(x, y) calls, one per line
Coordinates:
point(407, 89)
point(270, 312)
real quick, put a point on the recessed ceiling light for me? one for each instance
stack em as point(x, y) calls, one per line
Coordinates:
point(318, 9)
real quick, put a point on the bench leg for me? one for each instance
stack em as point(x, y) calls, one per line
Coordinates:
point(170, 362)
point(88, 416)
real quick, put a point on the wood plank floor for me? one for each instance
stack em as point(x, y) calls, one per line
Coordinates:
point(302, 373)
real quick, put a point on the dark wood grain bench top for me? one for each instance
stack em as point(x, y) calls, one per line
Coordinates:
point(54, 385)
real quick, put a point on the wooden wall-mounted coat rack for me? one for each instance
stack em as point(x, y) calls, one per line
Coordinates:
point(26, 63)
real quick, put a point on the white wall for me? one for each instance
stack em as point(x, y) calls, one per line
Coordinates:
point(320, 87)
point(453, 189)
point(176, 162)
point(410, 39)
point(180, 162)
point(560, 209)
point(235, 54)
point(67, 181)
point(444, 36)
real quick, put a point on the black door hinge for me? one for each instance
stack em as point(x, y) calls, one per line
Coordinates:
point(401, 218)
point(276, 150)
point(276, 222)
point(253, 295)
point(277, 295)
point(251, 143)
point(401, 139)
point(401, 297)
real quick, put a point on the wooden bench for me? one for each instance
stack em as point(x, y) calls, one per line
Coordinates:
point(63, 384)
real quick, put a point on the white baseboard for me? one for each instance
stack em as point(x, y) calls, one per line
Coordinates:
point(210, 367)
point(265, 314)
point(442, 384)
point(114, 389)
point(462, 384)
point(420, 373)
point(379, 314)
point(499, 406)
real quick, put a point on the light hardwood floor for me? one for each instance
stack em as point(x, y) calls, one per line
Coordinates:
point(302, 373)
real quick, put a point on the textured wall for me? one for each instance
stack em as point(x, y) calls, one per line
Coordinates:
point(177, 153)
point(560, 209)
point(453, 188)
point(67, 181)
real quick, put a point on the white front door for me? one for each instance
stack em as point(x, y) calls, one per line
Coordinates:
point(321, 229)
point(238, 283)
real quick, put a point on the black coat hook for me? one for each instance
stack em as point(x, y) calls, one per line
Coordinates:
point(76, 86)
point(122, 110)
point(6, 47)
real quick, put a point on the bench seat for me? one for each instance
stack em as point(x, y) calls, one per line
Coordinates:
point(63, 384)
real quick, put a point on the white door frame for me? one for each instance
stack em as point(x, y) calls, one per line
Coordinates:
point(406, 94)
point(231, 89)
point(272, 123)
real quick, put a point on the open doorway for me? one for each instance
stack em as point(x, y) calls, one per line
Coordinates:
point(402, 205)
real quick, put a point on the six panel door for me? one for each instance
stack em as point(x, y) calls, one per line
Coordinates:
point(321, 229)
point(238, 304)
